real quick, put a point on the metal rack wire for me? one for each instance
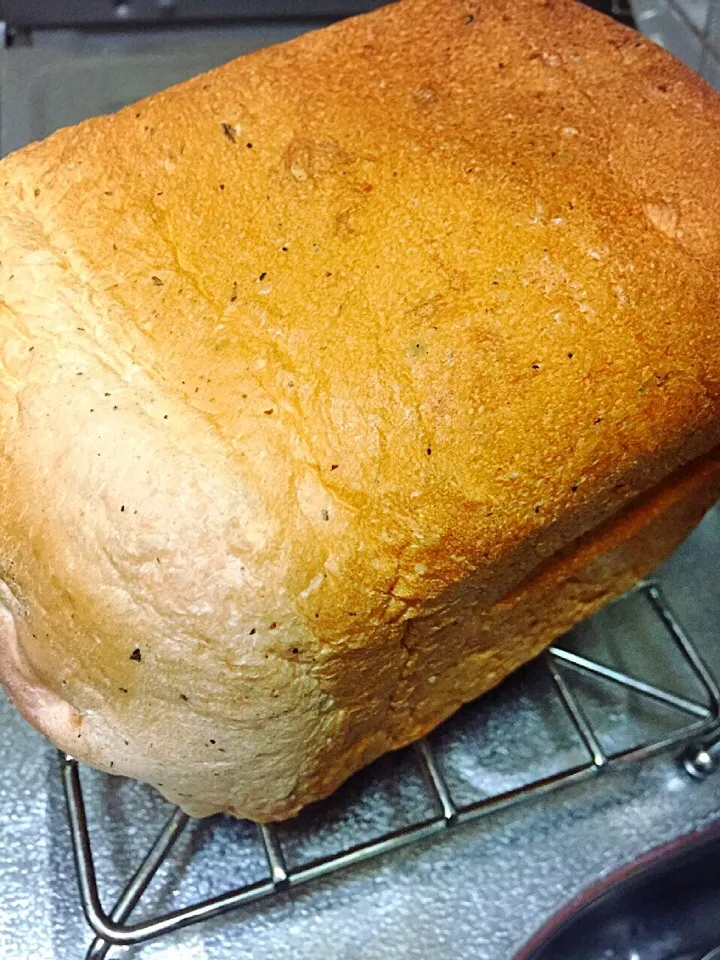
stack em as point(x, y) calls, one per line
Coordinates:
point(688, 28)
point(701, 732)
point(707, 31)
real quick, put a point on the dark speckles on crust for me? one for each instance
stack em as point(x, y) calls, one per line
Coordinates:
point(229, 132)
point(136, 655)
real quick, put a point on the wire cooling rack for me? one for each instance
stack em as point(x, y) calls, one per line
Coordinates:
point(583, 688)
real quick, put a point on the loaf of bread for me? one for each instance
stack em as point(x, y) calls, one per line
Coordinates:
point(337, 382)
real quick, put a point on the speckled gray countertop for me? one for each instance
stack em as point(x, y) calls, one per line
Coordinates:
point(477, 892)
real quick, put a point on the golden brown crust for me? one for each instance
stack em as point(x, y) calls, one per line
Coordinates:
point(460, 653)
point(328, 347)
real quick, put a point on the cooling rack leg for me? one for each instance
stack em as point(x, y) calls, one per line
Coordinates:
point(138, 883)
point(274, 854)
point(82, 852)
point(429, 764)
point(700, 762)
point(577, 715)
point(85, 867)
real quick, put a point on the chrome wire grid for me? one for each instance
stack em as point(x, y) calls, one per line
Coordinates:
point(688, 28)
point(703, 21)
point(700, 730)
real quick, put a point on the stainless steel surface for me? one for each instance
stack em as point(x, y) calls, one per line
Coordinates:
point(107, 13)
point(479, 890)
point(67, 76)
point(447, 810)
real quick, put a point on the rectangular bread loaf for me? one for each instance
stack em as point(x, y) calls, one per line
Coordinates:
point(339, 381)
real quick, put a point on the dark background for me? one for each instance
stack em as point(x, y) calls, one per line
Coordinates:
point(22, 16)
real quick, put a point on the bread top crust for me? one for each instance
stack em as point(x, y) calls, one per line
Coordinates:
point(293, 349)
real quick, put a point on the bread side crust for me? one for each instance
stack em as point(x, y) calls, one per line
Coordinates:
point(448, 658)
